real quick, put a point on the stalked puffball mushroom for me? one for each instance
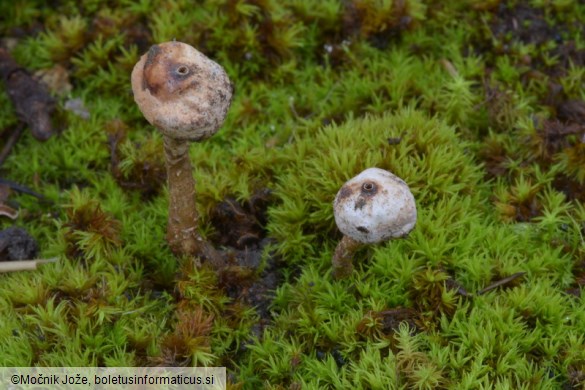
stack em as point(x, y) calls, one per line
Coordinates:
point(372, 207)
point(185, 95)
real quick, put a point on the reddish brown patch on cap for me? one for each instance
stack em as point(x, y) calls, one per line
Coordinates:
point(165, 75)
point(344, 192)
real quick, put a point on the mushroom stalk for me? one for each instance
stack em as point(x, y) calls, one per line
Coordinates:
point(343, 257)
point(182, 234)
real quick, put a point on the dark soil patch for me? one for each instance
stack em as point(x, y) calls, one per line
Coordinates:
point(572, 189)
point(571, 111)
point(380, 25)
point(524, 24)
point(240, 226)
point(560, 137)
point(250, 285)
point(251, 276)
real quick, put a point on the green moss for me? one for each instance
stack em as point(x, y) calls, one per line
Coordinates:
point(480, 114)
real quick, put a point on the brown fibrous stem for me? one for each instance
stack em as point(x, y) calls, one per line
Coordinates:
point(343, 257)
point(182, 234)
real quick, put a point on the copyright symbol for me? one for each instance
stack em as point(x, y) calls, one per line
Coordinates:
point(14, 379)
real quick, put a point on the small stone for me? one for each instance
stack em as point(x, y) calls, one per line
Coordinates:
point(17, 244)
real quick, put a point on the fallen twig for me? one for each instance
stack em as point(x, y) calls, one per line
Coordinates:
point(22, 189)
point(24, 265)
point(14, 136)
point(502, 282)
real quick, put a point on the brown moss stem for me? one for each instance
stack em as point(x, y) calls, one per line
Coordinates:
point(343, 257)
point(182, 234)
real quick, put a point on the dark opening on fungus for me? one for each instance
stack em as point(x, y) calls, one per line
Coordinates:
point(369, 187)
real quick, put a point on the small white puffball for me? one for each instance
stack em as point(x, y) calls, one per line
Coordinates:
point(375, 206)
point(181, 91)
